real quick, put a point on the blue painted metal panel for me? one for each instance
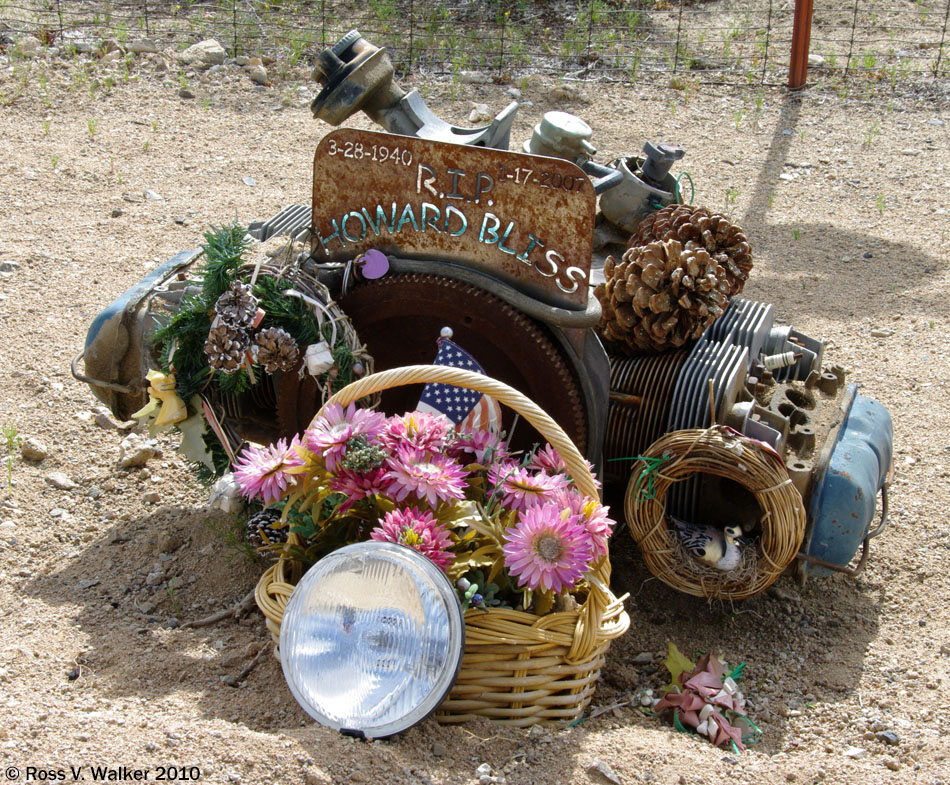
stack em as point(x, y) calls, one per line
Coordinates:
point(130, 300)
point(844, 499)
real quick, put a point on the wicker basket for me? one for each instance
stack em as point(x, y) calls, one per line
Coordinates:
point(518, 668)
point(722, 452)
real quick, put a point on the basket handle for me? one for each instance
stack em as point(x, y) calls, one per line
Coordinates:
point(458, 377)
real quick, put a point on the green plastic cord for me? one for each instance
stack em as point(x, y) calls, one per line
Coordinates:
point(756, 734)
point(647, 476)
point(692, 188)
point(677, 724)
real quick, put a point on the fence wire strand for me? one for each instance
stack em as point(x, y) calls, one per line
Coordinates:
point(726, 41)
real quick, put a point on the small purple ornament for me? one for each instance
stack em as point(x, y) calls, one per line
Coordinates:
point(373, 264)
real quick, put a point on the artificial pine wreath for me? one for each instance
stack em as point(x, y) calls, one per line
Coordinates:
point(243, 323)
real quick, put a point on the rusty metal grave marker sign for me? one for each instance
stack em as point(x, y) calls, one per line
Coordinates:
point(525, 219)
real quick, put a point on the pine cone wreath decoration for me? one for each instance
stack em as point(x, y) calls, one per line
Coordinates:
point(261, 531)
point(275, 350)
point(237, 307)
point(660, 295)
point(723, 240)
point(225, 348)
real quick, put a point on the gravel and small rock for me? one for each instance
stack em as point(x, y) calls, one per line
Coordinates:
point(101, 570)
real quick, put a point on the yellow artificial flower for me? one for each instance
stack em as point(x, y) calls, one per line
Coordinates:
point(162, 396)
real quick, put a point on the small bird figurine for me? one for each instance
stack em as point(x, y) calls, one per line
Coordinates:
point(718, 548)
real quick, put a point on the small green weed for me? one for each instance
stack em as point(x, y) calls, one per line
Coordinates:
point(12, 437)
point(175, 601)
point(233, 532)
point(92, 125)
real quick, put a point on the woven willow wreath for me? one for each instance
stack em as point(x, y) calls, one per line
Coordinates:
point(722, 452)
point(349, 351)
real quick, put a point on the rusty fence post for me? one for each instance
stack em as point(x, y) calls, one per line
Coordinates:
point(801, 38)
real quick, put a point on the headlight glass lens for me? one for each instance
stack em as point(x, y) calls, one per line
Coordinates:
point(371, 639)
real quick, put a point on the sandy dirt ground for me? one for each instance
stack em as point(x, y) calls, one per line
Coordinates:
point(845, 203)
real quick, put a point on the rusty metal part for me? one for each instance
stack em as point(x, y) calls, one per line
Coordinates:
point(248, 415)
point(399, 317)
point(295, 220)
point(279, 406)
point(524, 219)
point(298, 400)
point(357, 75)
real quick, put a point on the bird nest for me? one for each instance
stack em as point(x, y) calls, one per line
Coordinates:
point(714, 582)
point(721, 452)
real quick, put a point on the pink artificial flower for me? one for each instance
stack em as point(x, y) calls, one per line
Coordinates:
point(417, 530)
point(549, 460)
point(482, 446)
point(424, 431)
point(359, 485)
point(547, 549)
point(261, 471)
point(330, 432)
point(521, 488)
point(590, 514)
point(429, 477)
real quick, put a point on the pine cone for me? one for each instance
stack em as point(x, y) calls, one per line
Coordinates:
point(237, 307)
point(723, 240)
point(261, 531)
point(660, 295)
point(275, 349)
point(225, 348)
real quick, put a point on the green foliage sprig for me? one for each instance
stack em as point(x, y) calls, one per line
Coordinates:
point(290, 313)
point(179, 345)
point(224, 254)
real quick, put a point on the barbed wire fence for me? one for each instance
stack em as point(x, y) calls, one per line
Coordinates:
point(885, 42)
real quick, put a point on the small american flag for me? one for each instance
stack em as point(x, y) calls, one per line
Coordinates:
point(468, 409)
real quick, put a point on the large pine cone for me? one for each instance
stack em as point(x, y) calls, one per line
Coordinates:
point(237, 307)
point(275, 349)
point(660, 295)
point(225, 348)
point(722, 239)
